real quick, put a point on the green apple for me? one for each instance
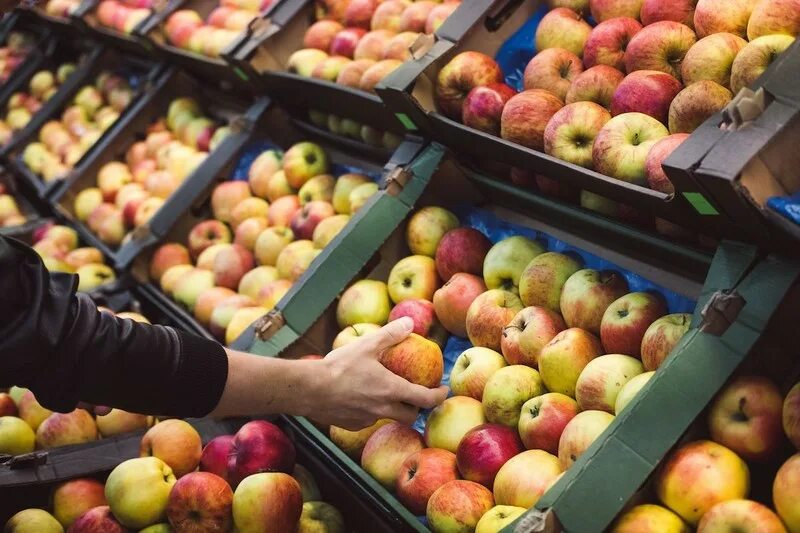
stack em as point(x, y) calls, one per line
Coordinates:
point(341, 191)
point(413, 278)
point(507, 390)
point(192, 286)
point(16, 437)
point(359, 195)
point(498, 517)
point(352, 334)
point(629, 391)
point(321, 517)
point(302, 162)
point(506, 261)
point(33, 521)
point(543, 279)
point(137, 491)
point(365, 301)
point(427, 227)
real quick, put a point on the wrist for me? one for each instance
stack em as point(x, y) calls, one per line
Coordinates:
point(313, 377)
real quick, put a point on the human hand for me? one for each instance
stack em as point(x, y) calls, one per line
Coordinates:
point(355, 389)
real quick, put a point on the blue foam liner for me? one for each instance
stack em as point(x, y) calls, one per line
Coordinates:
point(787, 206)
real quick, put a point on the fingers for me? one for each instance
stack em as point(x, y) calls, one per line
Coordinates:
point(419, 396)
point(389, 335)
point(402, 412)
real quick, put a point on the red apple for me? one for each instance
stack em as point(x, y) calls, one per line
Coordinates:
point(231, 264)
point(740, 515)
point(438, 15)
point(570, 133)
point(488, 314)
point(421, 474)
point(215, 454)
point(646, 91)
point(791, 415)
point(580, 433)
point(463, 73)
point(542, 421)
point(774, 17)
point(345, 42)
point(422, 312)
point(732, 16)
point(387, 15)
point(607, 43)
point(677, 10)
point(656, 177)
point(458, 506)
point(660, 46)
point(415, 359)
point(525, 478)
point(596, 84)
point(784, 492)
point(453, 299)
point(661, 337)
point(525, 117)
point(200, 501)
point(553, 70)
point(207, 233)
point(226, 197)
point(484, 450)
point(259, 446)
point(562, 27)
point(527, 333)
point(711, 58)
point(96, 520)
point(320, 35)
point(372, 45)
point(562, 360)
point(587, 294)
point(461, 250)
point(626, 320)
point(695, 104)
point(359, 13)
point(606, 9)
point(7, 405)
point(268, 501)
point(73, 498)
point(387, 449)
point(483, 107)
point(282, 211)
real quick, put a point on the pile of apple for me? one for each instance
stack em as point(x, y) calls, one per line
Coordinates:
point(63, 142)
point(163, 490)
point(706, 483)
point(356, 43)
point(265, 233)
point(18, 45)
point(10, 213)
point(620, 96)
point(123, 15)
point(61, 8)
point(558, 351)
point(22, 106)
point(186, 29)
point(130, 192)
point(353, 129)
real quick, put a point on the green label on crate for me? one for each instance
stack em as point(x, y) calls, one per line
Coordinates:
point(406, 121)
point(239, 72)
point(700, 204)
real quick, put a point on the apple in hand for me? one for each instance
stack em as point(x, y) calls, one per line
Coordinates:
point(451, 420)
point(421, 474)
point(626, 320)
point(571, 131)
point(649, 518)
point(697, 476)
point(661, 337)
point(543, 279)
point(458, 506)
point(505, 392)
point(138, 490)
point(602, 379)
point(387, 449)
point(459, 76)
point(426, 227)
point(732, 16)
point(525, 478)
point(553, 70)
point(784, 492)
point(484, 450)
point(259, 446)
point(580, 433)
point(472, 370)
point(608, 40)
point(200, 501)
point(646, 91)
point(542, 420)
point(563, 28)
point(711, 58)
point(461, 250)
point(453, 300)
point(660, 46)
point(268, 501)
point(741, 515)
point(596, 84)
point(753, 59)
point(413, 277)
point(746, 417)
point(483, 107)
point(695, 104)
point(525, 117)
point(505, 261)
point(415, 359)
point(562, 360)
point(620, 149)
point(527, 333)
point(488, 314)
point(587, 294)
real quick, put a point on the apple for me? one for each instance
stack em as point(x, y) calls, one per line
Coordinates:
point(422, 473)
point(248, 231)
point(415, 359)
point(784, 492)
point(321, 516)
point(206, 259)
point(421, 312)
point(553, 70)
point(711, 58)
point(507, 390)
point(621, 147)
point(506, 260)
point(451, 420)
point(459, 76)
point(360, 195)
point(678, 10)
point(302, 162)
point(527, 333)
point(61, 429)
point(630, 390)
point(587, 294)
point(661, 337)
point(387, 449)
point(318, 188)
point(268, 501)
point(253, 281)
point(189, 288)
point(656, 177)
point(207, 233)
point(33, 520)
point(137, 491)
point(352, 442)
point(83, 256)
point(359, 13)
point(31, 411)
point(562, 360)
point(488, 314)
point(697, 476)
point(342, 189)
point(562, 28)
point(372, 45)
point(330, 68)
point(224, 311)
point(608, 40)
point(262, 170)
point(226, 196)
point(16, 436)
point(162, 527)
point(207, 301)
point(277, 187)
point(580, 433)
point(596, 84)
point(328, 229)
point(606, 9)
point(438, 15)
point(8, 406)
point(458, 506)
point(743, 515)
point(461, 250)
point(295, 259)
point(525, 478)
point(646, 91)
point(259, 446)
point(753, 59)
point(602, 379)
point(543, 279)
point(176, 443)
point(200, 501)
point(303, 62)
point(353, 333)
point(231, 264)
point(484, 450)
point(270, 243)
point(498, 517)
point(413, 277)
point(387, 15)
point(73, 498)
point(399, 46)
point(320, 34)
point(374, 74)
point(483, 107)
point(731, 17)
point(214, 457)
point(781, 17)
point(570, 133)
point(117, 422)
point(472, 370)
point(426, 227)
point(65, 237)
point(248, 208)
point(791, 415)
point(695, 104)
point(649, 518)
point(626, 320)
point(453, 300)
point(542, 420)
point(660, 46)
point(86, 201)
point(365, 301)
point(746, 417)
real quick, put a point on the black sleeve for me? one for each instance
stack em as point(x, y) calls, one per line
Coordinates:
point(59, 345)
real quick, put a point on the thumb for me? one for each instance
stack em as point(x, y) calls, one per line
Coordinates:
point(392, 333)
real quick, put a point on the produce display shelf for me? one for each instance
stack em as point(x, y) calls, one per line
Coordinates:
point(85, 19)
point(20, 21)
